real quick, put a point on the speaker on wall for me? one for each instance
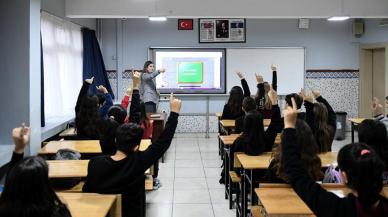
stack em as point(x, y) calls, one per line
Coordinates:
point(358, 28)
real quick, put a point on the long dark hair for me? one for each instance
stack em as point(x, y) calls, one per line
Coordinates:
point(374, 134)
point(307, 148)
point(235, 100)
point(364, 170)
point(322, 129)
point(88, 119)
point(146, 64)
point(253, 133)
point(27, 191)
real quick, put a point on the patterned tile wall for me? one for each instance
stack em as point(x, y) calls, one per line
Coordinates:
point(339, 87)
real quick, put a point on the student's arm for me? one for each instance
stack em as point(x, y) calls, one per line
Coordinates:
point(226, 112)
point(125, 101)
point(321, 202)
point(157, 149)
point(332, 118)
point(108, 101)
point(135, 111)
point(244, 84)
point(21, 137)
point(274, 77)
point(308, 104)
point(107, 136)
point(261, 91)
point(83, 93)
point(276, 122)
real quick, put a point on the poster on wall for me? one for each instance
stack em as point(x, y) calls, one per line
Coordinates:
point(221, 30)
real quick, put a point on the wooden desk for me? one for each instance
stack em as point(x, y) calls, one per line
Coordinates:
point(91, 204)
point(229, 139)
point(69, 132)
point(250, 163)
point(283, 201)
point(228, 125)
point(354, 122)
point(67, 168)
point(82, 146)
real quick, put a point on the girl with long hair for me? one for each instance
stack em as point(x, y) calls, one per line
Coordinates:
point(263, 103)
point(361, 169)
point(321, 118)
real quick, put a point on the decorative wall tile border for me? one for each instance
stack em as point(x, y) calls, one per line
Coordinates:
point(112, 74)
point(336, 74)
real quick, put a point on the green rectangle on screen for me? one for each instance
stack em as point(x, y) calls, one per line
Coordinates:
point(190, 72)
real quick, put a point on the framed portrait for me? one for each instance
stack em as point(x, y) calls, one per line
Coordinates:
point(222, 30)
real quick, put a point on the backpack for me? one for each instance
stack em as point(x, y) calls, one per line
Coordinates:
point(332, 175)
point(66, 183)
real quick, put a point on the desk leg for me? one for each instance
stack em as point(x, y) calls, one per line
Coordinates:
point(207, 118)
point(226, 173)
point(352, 133)
point(115, 210)
point(244, 195)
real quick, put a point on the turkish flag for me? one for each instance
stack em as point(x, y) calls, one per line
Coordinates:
point(185, 24)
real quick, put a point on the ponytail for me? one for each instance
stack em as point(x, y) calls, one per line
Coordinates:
point(364, 170)
point(322, 129)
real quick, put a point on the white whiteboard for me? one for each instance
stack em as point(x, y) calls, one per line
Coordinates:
point(290, 63)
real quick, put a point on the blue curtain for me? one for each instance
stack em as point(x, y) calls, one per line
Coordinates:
point(93, 64)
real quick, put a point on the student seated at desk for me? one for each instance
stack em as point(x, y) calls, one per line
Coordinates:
point(377, 110)
point(307, 148)
point(123, 173)
point(233, 108)
point(261, 98)
point(117, 115)
point(361, 168)
point(248, 106)
point(27, 190)
point(90, 110)
point(374, 134)
point(321, 118)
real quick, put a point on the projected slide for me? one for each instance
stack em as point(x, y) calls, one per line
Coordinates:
point(190, 70)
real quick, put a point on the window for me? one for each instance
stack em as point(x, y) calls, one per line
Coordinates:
point(62, 59)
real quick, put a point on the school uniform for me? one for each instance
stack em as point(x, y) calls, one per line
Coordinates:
point(227, 113)
point(331, 120)
point(126, 176)
point(320, 201)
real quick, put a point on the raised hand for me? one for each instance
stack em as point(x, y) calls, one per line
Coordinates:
point(89, 80)
point(259, 78)
point(162, 70)
point(290, 114)
point(103, 89)
point(240, 74)
point(316, 93)
point(273, 96)
point(21, 136)
point(175, 104)
point(136, 80)
point(273, 67)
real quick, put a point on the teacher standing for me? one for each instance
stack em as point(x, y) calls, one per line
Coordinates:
point(148, 90)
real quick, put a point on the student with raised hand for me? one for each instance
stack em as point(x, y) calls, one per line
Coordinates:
point(123, 173)
point(360, 167)
point(106, 103)
point(87, 117)
point(321, 118)
point(306, 146)
point(233, 108)
point(20, 136)
point(148, 92)
point(262, 101)
point(27, 190)
point(374, 134)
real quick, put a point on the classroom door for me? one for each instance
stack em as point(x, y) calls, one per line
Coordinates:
point(378, 73)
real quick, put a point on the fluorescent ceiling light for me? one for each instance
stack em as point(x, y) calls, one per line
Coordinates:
point(338, 18)
point(157, 18)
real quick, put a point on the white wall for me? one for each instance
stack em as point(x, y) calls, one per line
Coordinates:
point(20, 72)
point(57, 8)
point(227, 8)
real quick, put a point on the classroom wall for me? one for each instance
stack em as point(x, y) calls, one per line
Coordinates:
point(328, 46)
point(57, 8)
point(20, 72)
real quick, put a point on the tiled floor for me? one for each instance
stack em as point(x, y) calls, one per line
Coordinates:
point(190, 177)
